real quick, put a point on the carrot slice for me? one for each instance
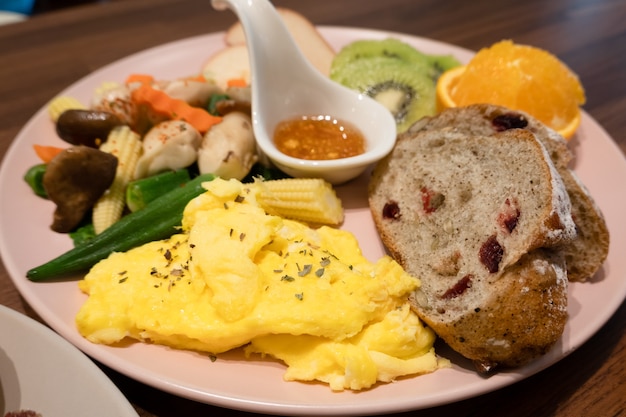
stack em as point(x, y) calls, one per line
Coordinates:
point(46, 153)
point(198, 77)
point(140, 78)
point(176, 109)
point(237, 82)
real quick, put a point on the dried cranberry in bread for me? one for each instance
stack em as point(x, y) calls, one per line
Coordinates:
point(587, 252)
point(468, 215)
point(519, 318)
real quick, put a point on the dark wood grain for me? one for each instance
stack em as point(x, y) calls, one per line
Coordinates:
point(42, 56)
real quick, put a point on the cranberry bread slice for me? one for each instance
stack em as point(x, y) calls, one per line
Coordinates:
point(443, 197)
point(587, 252)
point(459, 212)
point(487, 119)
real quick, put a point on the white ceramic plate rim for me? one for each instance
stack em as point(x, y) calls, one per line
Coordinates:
point(7, 17)
point(32, 356)
point(232, 381)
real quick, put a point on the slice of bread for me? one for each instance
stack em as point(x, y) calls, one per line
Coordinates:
point(587, 252)
point(468, 214)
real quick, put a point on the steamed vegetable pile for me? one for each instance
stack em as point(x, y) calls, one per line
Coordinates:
point(133, 149)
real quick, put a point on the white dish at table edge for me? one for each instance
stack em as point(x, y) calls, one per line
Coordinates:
point(257, 385)
point(41, 371)
point(7, 17)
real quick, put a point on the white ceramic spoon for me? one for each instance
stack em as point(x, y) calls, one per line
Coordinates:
point(285, 85)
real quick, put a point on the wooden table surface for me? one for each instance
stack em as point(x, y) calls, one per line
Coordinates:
point(42, 56)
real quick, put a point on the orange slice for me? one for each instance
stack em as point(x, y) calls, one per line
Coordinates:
point(518, 77)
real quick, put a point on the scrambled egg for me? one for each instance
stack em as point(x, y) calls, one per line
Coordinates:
point(236, 276)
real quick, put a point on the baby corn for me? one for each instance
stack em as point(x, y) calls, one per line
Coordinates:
point(61, 103)
point(311, 200)
point(126, 145)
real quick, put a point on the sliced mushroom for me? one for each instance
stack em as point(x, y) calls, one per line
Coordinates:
point(228, 149)
point(243, 94)
point(239, 100)
point(169, 145)
point(116, 99)
point(223, 107)
point(74, 180)
point(196, 93)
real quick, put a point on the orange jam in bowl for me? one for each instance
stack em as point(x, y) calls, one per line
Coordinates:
point(318, 138)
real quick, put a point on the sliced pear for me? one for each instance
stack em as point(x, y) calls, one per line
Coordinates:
point(312, 44)
point(229, 63)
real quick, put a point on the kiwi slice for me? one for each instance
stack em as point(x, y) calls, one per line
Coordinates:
point(431, 65)
point(408, 94)
point(440, 64)
point(388, 48)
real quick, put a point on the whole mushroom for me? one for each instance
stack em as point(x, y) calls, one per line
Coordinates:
point(74, 180)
